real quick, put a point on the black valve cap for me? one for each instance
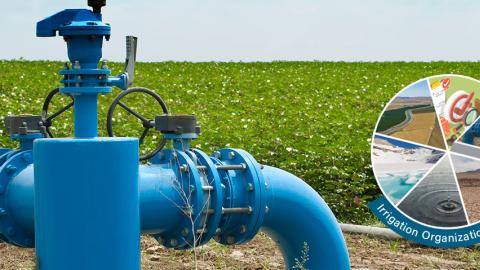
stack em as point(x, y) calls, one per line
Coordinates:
point(97, 5)
point(23, 124)
point(177, 124)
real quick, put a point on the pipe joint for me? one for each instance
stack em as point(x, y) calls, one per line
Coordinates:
point(244, 201)
point(13, 163)
point(221, 197)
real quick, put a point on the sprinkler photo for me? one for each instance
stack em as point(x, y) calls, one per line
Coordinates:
point(237, 135)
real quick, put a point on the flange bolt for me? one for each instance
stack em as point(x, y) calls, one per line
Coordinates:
point(184, 168)
point(230, 240)
point(11, 169)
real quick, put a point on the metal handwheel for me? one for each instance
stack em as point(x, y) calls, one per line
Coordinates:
point(147, 123)
point(47, 119)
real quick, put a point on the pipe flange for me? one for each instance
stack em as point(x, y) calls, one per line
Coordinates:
point(244, 213)
point(11, 232)
point(4, 154)
point(190, 187)
point(213, 210)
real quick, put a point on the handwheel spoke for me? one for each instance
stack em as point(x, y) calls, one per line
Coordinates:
point(51, 117)
point(128, 109)
point(47, 120)
point(144, 134)
point(147, 124)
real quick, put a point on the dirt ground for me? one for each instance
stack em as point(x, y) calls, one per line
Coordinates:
point(261, 253)
point(470, 187)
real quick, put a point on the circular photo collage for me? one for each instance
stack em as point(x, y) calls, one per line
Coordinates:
point(426, 151)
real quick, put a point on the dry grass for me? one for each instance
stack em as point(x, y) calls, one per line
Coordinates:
point(423, 128)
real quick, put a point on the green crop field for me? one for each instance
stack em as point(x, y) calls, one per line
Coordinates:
point(314, 119)
point(394, 117)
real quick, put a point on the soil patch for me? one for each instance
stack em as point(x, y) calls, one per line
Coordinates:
point(261, 253)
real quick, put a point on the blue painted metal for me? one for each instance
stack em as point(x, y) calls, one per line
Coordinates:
point(160, 203)
point(20, 203)
point(71, 19)
point(298, 215)
point(84, 32)
point(181, 141)
point(243, 189)
point(11, 216)
point(189, 185)
point(26, 140)
point(16, 219)
point(86, 116)
point(162, 187)
point(87, 203)
point(77, 226)
point(4, 154)
point(215, 196)
point(4, 151)
point(92, 198)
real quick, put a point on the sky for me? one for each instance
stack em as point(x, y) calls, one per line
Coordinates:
point(399, 143)
point(463, 164)
point(419, 89)
point(262, 30)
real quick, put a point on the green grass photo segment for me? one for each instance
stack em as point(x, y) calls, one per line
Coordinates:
point(313, 119)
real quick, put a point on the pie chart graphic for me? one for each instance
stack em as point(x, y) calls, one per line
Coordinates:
point(426, 151)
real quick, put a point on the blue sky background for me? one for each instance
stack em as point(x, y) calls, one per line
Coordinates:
point(400, 143)
point(263, 30)
point(419, 89)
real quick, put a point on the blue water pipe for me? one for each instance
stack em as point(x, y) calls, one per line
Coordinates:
point(82, 202)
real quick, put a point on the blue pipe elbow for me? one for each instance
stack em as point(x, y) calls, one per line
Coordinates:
point(296, 217)
point(301, 223)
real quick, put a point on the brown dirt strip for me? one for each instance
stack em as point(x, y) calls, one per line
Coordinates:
point(261, 253)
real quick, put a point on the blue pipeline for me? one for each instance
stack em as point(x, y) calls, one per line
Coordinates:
point(84, 32)
point(295, 216)
point(299, 219)
point(86, 116)
point(91, 191)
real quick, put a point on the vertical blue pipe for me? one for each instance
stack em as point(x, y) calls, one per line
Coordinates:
point(26, 144)
point(301, 223)
point(86, 116)
point(87, 204)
